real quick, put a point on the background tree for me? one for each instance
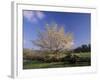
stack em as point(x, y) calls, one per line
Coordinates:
point(83, 48)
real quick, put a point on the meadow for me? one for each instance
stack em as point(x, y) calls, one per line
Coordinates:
point(74, 60)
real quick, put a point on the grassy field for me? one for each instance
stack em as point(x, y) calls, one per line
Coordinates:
point(33, 64)
point(84, 54)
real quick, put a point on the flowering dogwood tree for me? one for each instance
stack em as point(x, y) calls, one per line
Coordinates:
point(54, 39)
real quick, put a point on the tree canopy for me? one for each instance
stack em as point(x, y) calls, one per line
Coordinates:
point(54, 38)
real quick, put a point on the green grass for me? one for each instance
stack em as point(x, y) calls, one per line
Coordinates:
point(33, 64)
point(83, 54)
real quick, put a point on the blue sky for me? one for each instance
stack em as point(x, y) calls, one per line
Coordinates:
point(77, 23)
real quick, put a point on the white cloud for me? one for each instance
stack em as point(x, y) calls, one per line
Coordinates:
point(28, 15)
point(33, 16)
point(40, 14)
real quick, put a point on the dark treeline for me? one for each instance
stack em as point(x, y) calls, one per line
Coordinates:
point(83, 48)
